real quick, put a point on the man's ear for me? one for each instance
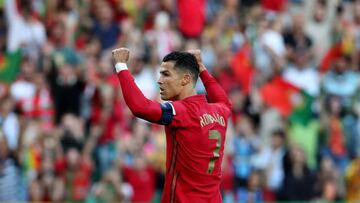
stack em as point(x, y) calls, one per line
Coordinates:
point(186, 79)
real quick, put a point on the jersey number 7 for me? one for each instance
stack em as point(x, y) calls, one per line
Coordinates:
point(214, 134)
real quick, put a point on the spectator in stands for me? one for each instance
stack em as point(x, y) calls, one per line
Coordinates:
point(11, 187)
point(106, 28)
point(270, 160)
point(318, 24)
point(246, 145)
point(25, 31)
point(301, 74)
point(353, 180)
point(253, 191)
point(139, 175)
point(108, 189)
point(298, 181)
point(329, 183)
point(9, 123)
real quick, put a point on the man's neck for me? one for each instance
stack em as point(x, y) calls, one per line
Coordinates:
point(187, 93)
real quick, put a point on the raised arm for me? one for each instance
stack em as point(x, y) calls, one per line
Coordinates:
point(11, 11)
point(138, 104)
point(216, 93)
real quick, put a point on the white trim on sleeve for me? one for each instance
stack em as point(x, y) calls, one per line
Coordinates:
point(173, 109)
point(120, 66)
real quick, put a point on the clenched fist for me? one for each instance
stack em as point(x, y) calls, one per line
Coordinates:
point(120, 55)
point(197, 54)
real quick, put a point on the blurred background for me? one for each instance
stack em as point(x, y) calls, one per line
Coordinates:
point(290, 67)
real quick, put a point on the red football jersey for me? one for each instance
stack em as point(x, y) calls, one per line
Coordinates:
point(195, 133)
point(195, 145)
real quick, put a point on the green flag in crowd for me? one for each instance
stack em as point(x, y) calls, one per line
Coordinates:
point(292, 102)
point(302, 108)
point(9, 66)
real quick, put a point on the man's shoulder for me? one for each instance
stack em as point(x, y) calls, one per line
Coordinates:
point(198, 103)
point(220, 107)
point(202, 104)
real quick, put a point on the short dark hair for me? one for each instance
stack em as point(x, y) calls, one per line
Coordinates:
point(184, 61)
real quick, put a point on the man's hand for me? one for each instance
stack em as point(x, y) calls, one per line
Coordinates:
point(197, 54)
point(120, 55)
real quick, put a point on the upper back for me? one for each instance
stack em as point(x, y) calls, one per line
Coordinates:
point(199, 128)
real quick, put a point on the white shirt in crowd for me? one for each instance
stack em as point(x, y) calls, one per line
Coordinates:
point(305, 78)
point(29, 34)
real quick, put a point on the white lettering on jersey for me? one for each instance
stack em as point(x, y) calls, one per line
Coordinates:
point(207, 119)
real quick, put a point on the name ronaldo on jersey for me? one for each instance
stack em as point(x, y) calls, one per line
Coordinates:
point(207, 119)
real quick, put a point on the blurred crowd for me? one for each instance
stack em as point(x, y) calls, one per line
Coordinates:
point(290, 68)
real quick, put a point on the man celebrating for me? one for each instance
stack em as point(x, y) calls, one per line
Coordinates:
point(195, 128)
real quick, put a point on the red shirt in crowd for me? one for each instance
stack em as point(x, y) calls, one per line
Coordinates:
point(191, 17)
point(142, 181)
point(77, 180)
point(40, 107)
point(274, 5)
point(113, 120)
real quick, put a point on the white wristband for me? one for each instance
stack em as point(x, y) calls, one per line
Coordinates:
point(120, 66)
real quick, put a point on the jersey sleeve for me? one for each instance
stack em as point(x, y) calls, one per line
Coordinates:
point(179, 113)
point(138, 104)
point(216, 93)
point(164, 114)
